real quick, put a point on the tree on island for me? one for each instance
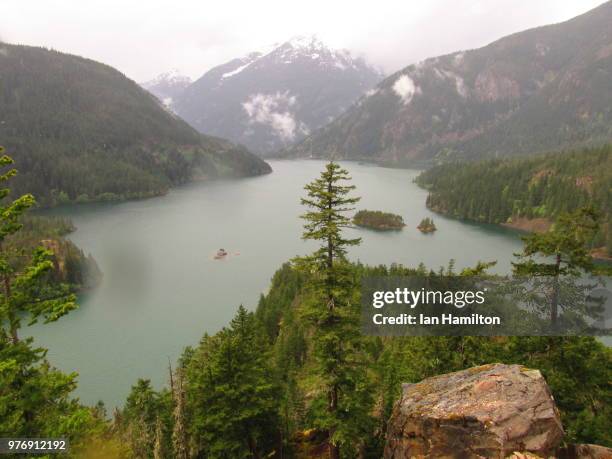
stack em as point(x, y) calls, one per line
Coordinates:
point(343, 410)
point(427, 225)
point(378, 220)
point(557, 258)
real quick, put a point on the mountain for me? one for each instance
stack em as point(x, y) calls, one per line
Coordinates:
point(168, 86)
point(543, 89)
point(80, 130)
point(268, 101)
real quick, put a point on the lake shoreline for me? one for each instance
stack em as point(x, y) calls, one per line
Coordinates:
point(162, 290)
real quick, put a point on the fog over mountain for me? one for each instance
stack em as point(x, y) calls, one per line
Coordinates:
point(269, 100)
point(194, 36)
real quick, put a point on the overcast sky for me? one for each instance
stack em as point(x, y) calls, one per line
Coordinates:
point(145, 38)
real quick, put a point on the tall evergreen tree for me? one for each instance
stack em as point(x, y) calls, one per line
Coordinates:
point(563, 251)
point(231, 392)
point(26, 294)
point(140, 415)
point(344, 411)
point(34, 397)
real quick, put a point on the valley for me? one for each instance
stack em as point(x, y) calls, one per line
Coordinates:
point(162, 287)
point(208, 263)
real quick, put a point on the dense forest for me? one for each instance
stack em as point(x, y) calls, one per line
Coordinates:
point(510, 191)
point(81, 131)
point(294, 378)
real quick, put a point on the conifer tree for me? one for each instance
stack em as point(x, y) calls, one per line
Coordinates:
point(141, 414)
point(231, 393)
point(34, 397)
point(25, 293)
point(343, 412)
point(158, 449)
point(566, 245)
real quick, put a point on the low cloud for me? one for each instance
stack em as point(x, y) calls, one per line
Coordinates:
point(405, 88)
point(274, 110)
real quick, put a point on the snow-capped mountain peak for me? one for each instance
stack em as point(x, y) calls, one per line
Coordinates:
point(167, 86)
point(172, 77)
point(310, 42)
point(268, 100)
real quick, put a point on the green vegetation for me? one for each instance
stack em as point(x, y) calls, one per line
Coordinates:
point(427, 225)
point(295, 378)
point(516, 191)
point(553, 262)
point(378, 220)
point(71, 265)
point(337, 345)
point(81, 131)
point(35, 399)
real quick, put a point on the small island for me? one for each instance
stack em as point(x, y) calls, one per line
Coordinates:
point(375, 219)
point(427, 226)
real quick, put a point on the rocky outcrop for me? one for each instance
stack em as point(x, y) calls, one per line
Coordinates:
point(71, 265)
point(491, 411)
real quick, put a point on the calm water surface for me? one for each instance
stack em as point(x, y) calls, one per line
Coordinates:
point(162, 289)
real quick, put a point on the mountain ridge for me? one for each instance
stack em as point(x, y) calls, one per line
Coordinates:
point(79, 130)
point(542, 89)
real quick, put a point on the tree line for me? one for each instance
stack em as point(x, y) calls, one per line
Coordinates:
point(503, 190)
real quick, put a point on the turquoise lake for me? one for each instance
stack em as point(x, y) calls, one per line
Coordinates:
point(162, 289)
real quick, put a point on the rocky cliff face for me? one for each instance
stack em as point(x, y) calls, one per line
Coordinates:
point(71, 265)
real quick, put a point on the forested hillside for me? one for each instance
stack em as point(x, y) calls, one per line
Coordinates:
point(80, 130)
point(511, 190)
point(261, 373)
point(543, 89)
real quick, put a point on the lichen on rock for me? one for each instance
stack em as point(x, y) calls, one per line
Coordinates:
point(490, 411)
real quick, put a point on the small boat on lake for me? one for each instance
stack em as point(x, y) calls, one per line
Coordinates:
point(221, 253)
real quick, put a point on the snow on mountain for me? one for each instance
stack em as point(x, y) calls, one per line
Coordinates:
point(267, 101)
point(535, 91)
point(167, 86)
